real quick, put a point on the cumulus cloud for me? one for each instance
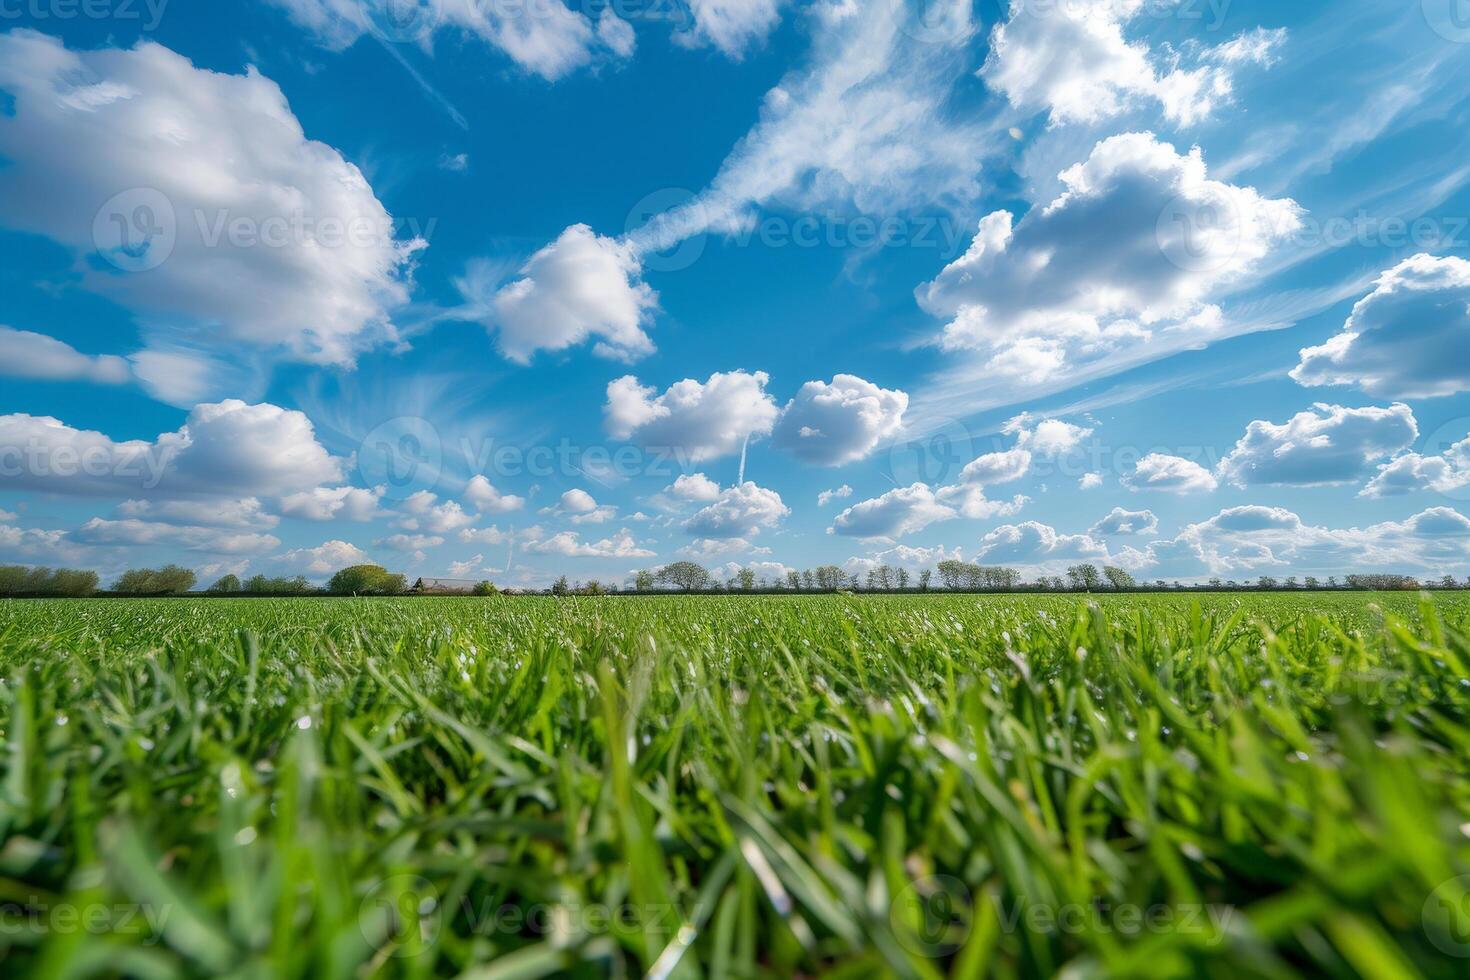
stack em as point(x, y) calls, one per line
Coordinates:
point(993, 468)
point(1326, 445)
point(1121, 262)
point(740, 512)
point(229, 448)
point(1120, 522)
point(694, 487)
point(1073, 61)
point(1046, 437)
point(24, 354)
point(827, 496)
point(898, 512)
point(548, 39)
point(246, 512)
point(489, 535)
point(702, 420)
point(325, 558)
point(582, 286)
point(313, 276)
point(1405, 339)
point(837, 423)
point(1033, 544)
point(333, 503)
point(30, 544)
point(483, 496)
point(1413, 472)
point(569, 544)
point(704, 549)
point(1255, 540)
point(970, 501)
point(732, 26)
point(133, 533)
point(579, 507)
point(423, 511)
point(415, 543)
point(1090, 481)
point(1170, 474)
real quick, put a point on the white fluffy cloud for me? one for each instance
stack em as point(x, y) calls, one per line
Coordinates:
point(1032, 544)
point(246, 512)
point(325, 558)
point(544, 37)
point(423, 511)
point(1254, 540)
point(24, 354)
point(1170, 474)
point(906, 510)
point(569, 544)
point(229, 448)
point(1122, 261)
point(317, 266)
point(1326, 445)
point(740, 512)
point(1120, 522)
point(580, 507)
point(1046, 437)
point(993, 468)
point(837, 423)
point(333, 503)
point(1405, 339)
point(483, 496)
point(732, 26)
point(827, 496)
point(413, 543)
point(695, 488)
point(1413, 472)
point(702, 420)
point(133, 533)
point(1073, 60)
point(581, 286)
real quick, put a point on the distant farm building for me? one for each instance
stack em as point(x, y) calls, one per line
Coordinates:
point(443, 586)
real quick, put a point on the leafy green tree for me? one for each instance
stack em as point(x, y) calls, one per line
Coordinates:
point(1119, 579)
point(643, 581)
point(62, 582)
point(485, 589)
point(168, 580)
point(1084, 578)
point(367, 580)
point(685, 575)
point(226, 584)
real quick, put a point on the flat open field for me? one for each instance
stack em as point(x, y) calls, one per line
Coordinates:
point(1152, 786)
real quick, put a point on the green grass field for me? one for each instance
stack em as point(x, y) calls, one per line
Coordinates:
point(1160, 786)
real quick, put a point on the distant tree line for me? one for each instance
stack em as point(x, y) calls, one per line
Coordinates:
point(689, 577)
point(18, 580)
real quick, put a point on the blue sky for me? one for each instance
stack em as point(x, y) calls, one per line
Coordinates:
point(510, 288)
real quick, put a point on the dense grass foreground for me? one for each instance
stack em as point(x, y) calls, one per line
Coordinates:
point(1268, 786)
